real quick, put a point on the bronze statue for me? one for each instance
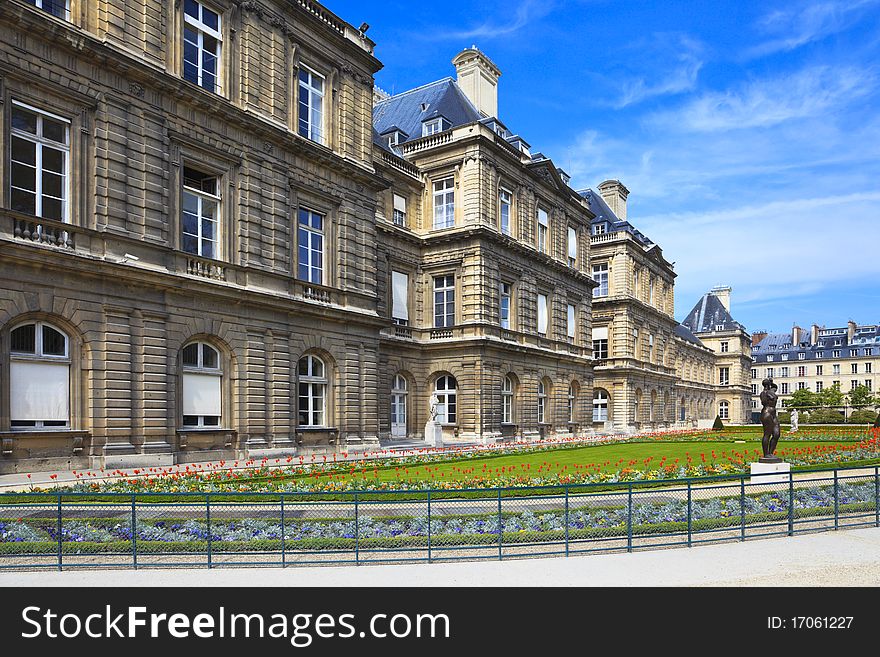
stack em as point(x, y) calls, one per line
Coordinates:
point(770, 422)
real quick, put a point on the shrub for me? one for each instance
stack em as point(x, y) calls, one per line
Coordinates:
point(826, 416)
point(784, 417)
point(863, 416)
point(719, 425)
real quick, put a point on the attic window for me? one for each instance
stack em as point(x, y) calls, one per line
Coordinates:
point(424, 107)
point(599, 229)
point(393, 139)
point(719, 327)
point(433, 126)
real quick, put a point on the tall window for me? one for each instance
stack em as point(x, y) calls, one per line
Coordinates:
point(819, 370)
point(867, 368)
point(724, 410)
point(835, 369)
point(400, 298)
point(446, 390)
point(200, 220)
point(572, 247)
point(201, 46)
point(310, 247)
point(785, 389)
point(724, 376)
point(311, 105)
point(202, 375)
point(636, 350)
point(507, 400)
point(600, 405)
point(399, 210)
point(802, 370)
point(444, 301)
point(505, 201)
point(755, 373)
point(542, 402)
point(543, 232)
point(504, 305)
point(572, 401)
point(571, 322)
point(312, 391)
point(39, 370)
point(600, 342)
point(398, 406)
point(854, 368)
point(818, 386)
point(725, 347)
point(59, 8)
point(542, 314)
point(600, 275)
point(39, 169)
point(444, 203)
point(651, 290)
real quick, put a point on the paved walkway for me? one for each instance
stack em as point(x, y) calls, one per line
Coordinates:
point(842, 558)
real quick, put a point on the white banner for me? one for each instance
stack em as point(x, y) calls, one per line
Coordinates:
point(600, 333)
point(399, 285)
point(39, 391)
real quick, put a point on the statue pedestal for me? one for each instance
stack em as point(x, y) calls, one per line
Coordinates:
point(770, 473)
point(434, 434)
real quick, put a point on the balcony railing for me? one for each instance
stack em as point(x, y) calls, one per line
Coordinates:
point(205, 269)
point(48, 232)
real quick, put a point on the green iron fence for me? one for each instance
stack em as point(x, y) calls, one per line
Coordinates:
point(60, 530)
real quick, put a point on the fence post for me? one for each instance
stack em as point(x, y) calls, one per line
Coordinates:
point(877, 496)
point(791, 503)
point(283, 536)
point(58, 530)
point(690, 515)
point(357, 532)
point(836, 502)
point(742, 508)
point(629, 520)
point(500, 525)
point(429, 526)
point(566, 520)
point(208, 523)
point(134, 552)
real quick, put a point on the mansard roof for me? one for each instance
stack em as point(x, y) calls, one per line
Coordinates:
point(779, 345)
point(605, 215)
point(684, 333)
point(710, 315)
point(407, 111)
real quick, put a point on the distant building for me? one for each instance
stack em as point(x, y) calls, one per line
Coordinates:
point(815, 358)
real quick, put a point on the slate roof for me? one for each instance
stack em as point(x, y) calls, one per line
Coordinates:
point(684, 333)
point(605, 215)
point(404, 111)
point(710, 315)
point(780, 345)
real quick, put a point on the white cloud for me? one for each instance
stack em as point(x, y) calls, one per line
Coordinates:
point(811, 92)
point(524, 14)
point(679, 78)
point(793, 28)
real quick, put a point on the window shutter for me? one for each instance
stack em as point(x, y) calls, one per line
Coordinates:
point(542, 313)
point(400, 203)
point(39, 391)
point(399, 284)
point(572, 243)
point(571, 322)
point(201, 394)
point(600, 333)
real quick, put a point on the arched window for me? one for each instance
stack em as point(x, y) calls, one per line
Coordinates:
point(39, 372)
point(507, 400)
point(572, 401)
point(682, 411)
point(636, 404)
point(724, 410)
point(312, 391)
point(446, 389)
point(543, 387)
point(202, 377)
point(600, 405)
point(651, 407)
point(398, 406)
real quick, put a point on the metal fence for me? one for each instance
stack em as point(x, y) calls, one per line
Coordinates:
point(93, 530)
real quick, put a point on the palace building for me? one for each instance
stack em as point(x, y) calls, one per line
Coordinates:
point(220, 240)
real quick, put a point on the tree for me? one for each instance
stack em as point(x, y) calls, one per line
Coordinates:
point(861, 396)
point(718, 425)
point(830, 396)
point(803, 398)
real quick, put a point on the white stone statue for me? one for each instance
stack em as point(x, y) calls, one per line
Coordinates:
point(433, 429)
point(435, 402)
point(794, 421)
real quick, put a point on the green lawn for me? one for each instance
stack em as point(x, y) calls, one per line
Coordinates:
point(609, 458)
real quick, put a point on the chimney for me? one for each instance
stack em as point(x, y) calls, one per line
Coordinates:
point(614, 193)
point(477, 76)
point(723, 294)
point(795, 335)
point(814, 334)
point(850, 331)
point(757, 336)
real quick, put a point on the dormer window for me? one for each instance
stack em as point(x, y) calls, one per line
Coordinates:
point(394, 138)
point(433, 126)
point(600, 229)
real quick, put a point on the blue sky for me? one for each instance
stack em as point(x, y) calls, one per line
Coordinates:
point(748, 133)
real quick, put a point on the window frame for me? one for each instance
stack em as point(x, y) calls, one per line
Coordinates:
point(543, 395)
point(505, 227)
point(200, 369)
point(508, 392)
point(448, 291)
point(603, 289)
point(542, 231)
point(443, 396)
point(201, 196)
point(505, 322)
point(201, 28)
point(445, 193)
point(37, 356)
point(311, 231)
point(312, 382)
point(308, 131)
point(601, 395)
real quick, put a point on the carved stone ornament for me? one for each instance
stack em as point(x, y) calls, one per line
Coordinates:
point(136, 90)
